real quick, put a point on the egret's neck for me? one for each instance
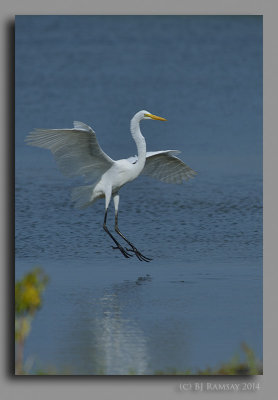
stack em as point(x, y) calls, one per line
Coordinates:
point(140, 143)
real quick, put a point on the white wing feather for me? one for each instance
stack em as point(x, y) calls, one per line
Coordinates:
point(76, 151)
point(165, 166)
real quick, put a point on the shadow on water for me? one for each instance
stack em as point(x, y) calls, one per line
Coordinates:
point(103, 337)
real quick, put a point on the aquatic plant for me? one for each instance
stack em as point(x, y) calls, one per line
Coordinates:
point(28, 300)
point(249, 366)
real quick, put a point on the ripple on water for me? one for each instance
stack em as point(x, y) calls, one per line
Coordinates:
point(191, 220)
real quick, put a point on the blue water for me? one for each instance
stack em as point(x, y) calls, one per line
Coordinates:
point(201, 296)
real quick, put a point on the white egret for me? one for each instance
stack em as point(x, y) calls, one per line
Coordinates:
point(77, 152)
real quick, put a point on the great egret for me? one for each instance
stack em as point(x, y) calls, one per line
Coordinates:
point(77, 152)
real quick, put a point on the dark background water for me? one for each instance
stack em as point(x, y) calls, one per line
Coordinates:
point(202, 294)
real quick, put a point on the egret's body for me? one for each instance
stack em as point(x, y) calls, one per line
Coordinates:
point(117, 176)
point(78, 153)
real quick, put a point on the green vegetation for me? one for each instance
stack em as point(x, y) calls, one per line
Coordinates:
point(249, 366)
point(28, 300)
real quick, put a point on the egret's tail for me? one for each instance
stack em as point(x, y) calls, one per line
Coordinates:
point(83, 196)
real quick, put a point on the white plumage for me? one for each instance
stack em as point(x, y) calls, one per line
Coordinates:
point(165, 166)
point(78, 153)
point(76, 150)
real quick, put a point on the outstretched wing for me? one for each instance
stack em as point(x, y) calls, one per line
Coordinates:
point(165, 166)
point(76, 150)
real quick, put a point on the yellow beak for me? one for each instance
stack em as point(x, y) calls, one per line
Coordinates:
point(155, 117)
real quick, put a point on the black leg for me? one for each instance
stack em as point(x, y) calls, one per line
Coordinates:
point(118, 246)
point(139, 255)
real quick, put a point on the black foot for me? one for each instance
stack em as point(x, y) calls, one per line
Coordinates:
point(139, 255)
point(122, 250)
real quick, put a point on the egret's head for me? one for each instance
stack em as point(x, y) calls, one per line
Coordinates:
point(147, 115)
